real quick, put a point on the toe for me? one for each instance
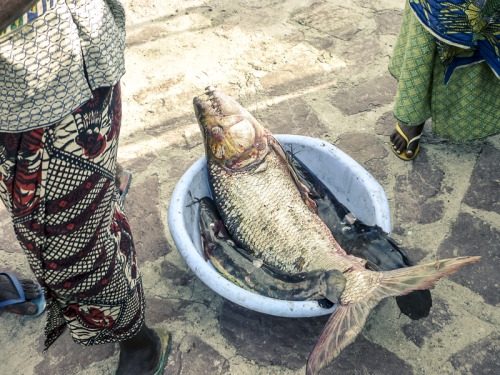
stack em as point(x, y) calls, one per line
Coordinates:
point(25, 308)
point(30, 289)
point(31, 309)
point(393, 136)
point(399, 145)
point(412, 148)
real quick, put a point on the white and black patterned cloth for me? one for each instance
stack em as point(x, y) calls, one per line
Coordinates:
point(58, 183)
point(54, 56)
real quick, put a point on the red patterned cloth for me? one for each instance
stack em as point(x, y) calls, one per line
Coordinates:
point(58, 184)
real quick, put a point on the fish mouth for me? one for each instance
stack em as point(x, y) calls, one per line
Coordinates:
point(205, 105)
point(216, 111)
point(215, 103)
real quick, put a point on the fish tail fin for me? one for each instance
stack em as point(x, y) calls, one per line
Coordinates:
point(343, 326)
point(405, 280)
point(347, 320)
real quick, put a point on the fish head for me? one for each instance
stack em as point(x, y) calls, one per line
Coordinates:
point(209, 216)
point(233, 138)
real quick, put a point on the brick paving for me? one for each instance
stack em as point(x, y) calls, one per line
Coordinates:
point(301, 67)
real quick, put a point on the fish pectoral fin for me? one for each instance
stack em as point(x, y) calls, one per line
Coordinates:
point(205, 246)
point(261, 168)
point(342, 328)
point(309, 202)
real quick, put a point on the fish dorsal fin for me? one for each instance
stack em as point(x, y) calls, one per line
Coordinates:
point(304, 190)
point(342, 327)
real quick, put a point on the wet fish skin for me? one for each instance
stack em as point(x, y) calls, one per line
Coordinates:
point(367, 242)
point(238, 266)
point(381, 252)
point(263, 205)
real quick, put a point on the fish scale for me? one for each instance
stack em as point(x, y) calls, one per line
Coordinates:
point(286, 237)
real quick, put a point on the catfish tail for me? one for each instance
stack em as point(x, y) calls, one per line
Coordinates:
point(348, 319)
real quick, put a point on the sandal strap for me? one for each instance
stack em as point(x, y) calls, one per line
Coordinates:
point(416, 138)
point(408, 142)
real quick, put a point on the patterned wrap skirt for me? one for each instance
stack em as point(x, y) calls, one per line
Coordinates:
point(58, 183)
point(466, 108)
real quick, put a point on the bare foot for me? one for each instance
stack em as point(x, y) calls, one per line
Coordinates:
point(399, 143)
point(8, 291)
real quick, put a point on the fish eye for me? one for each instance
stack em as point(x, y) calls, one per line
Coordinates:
point(216, 130)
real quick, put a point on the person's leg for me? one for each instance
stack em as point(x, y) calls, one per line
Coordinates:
point(60, 187)
point(412, 64)
point(147, 346)
point(9, 292)
point(9, 187)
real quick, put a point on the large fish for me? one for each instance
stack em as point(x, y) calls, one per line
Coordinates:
point(268, 212)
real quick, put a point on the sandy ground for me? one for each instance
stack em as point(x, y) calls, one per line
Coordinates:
point(301, 67)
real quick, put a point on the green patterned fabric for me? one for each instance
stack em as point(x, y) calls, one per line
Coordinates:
point(466, 108)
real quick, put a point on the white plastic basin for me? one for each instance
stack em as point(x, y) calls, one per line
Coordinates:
point(346, 179)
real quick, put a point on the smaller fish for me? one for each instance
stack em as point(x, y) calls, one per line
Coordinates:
point(250, 273)
point(368, 242)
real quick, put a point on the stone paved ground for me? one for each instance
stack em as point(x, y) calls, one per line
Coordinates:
point(316, 68)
